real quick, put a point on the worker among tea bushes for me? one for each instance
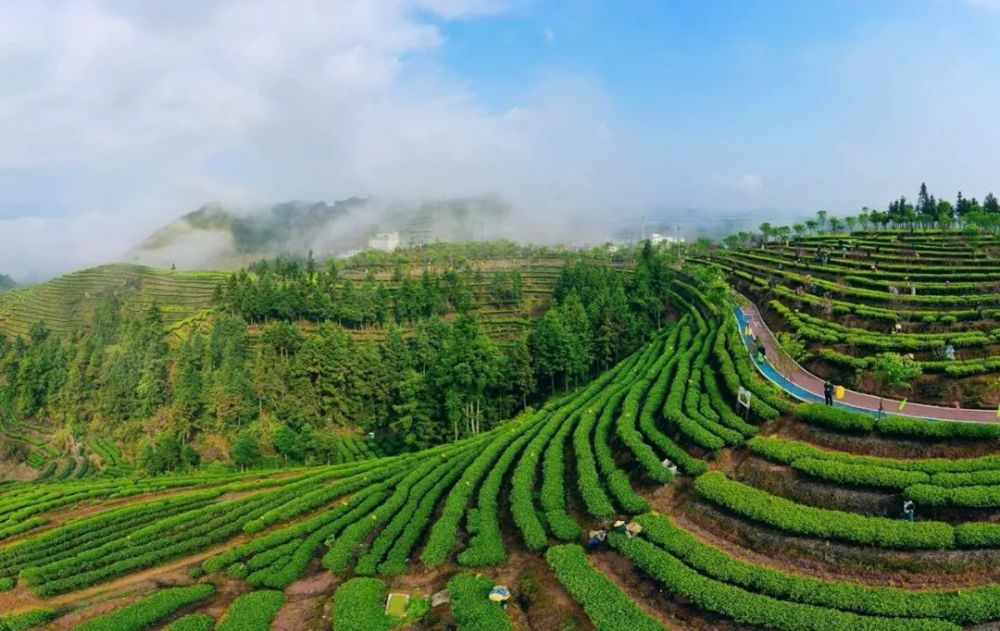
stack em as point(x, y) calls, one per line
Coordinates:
point(909, 510)
point(500, 594)
point(597, 537)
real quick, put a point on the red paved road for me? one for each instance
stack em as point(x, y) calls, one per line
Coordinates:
point(814, 384)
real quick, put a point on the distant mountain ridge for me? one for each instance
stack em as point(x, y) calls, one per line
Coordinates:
point(218, 237)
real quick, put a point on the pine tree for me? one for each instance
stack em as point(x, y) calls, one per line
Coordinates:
point(414, 414)
point(231, 394)
point(548, 343)
point(961, 205)
point(288, 444)
point(268, 378)
point(926, 206)
point(578, 341)
point(990, 204)
point(522, 376)
point(470, 365)
point(245, 450)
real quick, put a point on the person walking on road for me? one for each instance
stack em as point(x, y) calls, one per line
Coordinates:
point(828, 392)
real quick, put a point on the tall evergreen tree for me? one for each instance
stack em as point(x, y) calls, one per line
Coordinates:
point(189, 401)
point(548, 343)
point(990, 204)
point(577, 354)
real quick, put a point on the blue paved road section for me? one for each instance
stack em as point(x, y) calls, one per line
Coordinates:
point(775, 377)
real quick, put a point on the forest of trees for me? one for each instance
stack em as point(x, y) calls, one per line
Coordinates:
point(929, 209)
point(286, 388)
point(967, 214)
point(289, 290)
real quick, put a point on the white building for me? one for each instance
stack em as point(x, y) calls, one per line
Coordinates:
point(657, 239)
point(385, 241)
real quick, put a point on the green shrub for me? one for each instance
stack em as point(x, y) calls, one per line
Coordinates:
point(733, 380)
point(252, 612)
point(965, 606)
point(150, 609)
point(947, 472)
point(359, 605)
point(425, 490)
point(751, 608)
point(471, 606)
point(619, 485)
point(834, 417)
point(26, 620)
point(713, 397)
point(629, 418)
point(555, 427)
point(961, 496)
point(859, 474)
point(820, 522)
point(348, 541)
point(588, 481)
point(607, 607)
point(486, 545)
point(442, 537)
point(966, 478)
point(193, 622)
point(977, 535)
point(846, 420)
point(398, 555)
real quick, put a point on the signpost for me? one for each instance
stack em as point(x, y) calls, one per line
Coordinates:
point(743, 398)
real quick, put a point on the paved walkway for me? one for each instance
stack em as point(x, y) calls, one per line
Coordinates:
point(805, 386)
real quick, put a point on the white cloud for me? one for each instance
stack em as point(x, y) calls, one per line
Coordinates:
point(117, 117)
point(750, 183)
point(549, 35)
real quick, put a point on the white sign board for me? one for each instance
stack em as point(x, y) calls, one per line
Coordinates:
point(743, 397)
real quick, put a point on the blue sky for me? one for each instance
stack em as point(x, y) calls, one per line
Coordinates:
point(116, 117)
point(694, 59)
point(774, 84)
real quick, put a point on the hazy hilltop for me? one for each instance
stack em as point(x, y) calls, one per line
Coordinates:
point(220, 237)
point(6, 282)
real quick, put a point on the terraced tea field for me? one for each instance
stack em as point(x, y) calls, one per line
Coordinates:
point(786, 517)
point(932, 295)
point(59, 459)
point(68, 303)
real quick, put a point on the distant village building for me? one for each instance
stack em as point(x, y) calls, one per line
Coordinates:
point(657, 239)
point(418, 238)
point(385, 241)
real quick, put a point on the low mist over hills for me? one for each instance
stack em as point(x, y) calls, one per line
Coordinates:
point(6, 282)
point(220, 237)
